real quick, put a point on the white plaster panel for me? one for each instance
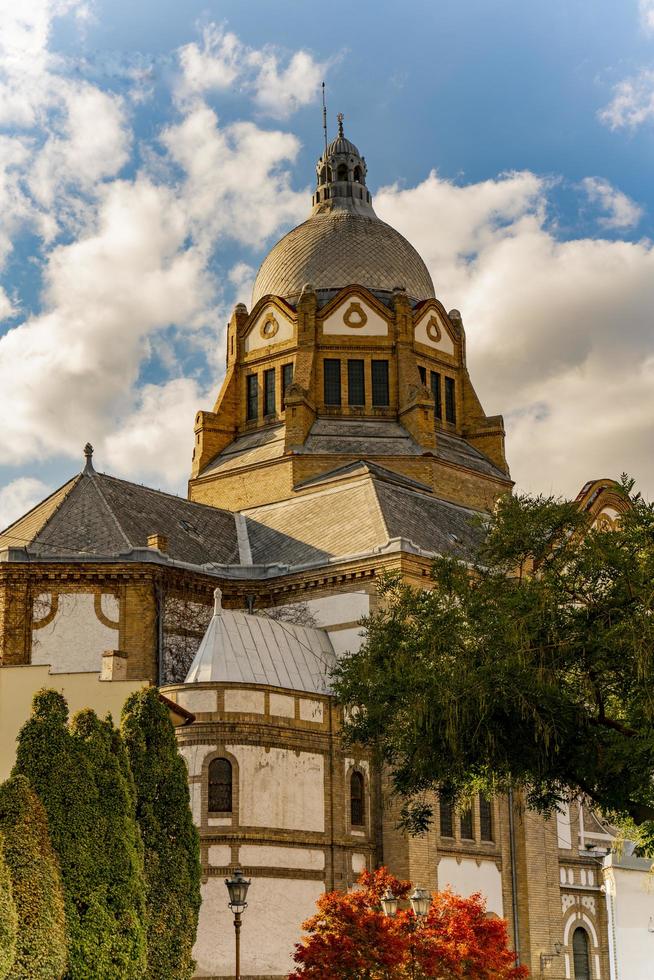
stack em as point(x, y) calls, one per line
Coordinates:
point(563, 827)
point(251, 702)
point(110, 607)
point(633, 905)
point(193, 756)
point(219, 855)
point(255, 341)
point(280, 788)
point(358, 863)
point(276, 909)
point(422, 336)
point(467, 877)
point(198, 700)
point(375, 325)
point(344, 607)
point(282, 705)
point(271, 856)
point(219, 821)
point(346, 641)
point(75, 639)
point(311, 710)
point(195, 789)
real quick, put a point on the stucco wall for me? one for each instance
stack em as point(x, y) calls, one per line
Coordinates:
point(633, 909)
point(271, 926)
point(71, 630)
point(468, 876)
point(291, 784)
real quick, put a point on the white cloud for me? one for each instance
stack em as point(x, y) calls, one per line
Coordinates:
point(19, 496)
point(559, 332)
point(221, 60)
point(632, 103)
point(621, 211)
point(647, 14)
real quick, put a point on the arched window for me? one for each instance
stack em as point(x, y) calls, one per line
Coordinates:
point(341, 173)
point(357, 174)
point(357, 810)
point(220, 786)
point(580, 954)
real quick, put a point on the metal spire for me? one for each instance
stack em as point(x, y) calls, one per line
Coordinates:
point(324, 117)
point(340, 123)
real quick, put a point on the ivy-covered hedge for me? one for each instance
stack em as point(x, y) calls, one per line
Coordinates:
point(81, 775)
point(172, 853)
point(8, 918)
point(36, 884)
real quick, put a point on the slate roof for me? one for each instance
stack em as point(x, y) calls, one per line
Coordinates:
point(359, 515)
point(96, 514)
point(258, 650)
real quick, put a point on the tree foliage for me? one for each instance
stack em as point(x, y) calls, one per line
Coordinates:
point(8, 918)
point(81, 775)
point(533, 668)
point(172, 855)
point(351, 937)
point(36, 884)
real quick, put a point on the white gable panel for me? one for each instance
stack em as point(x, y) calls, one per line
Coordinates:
point(355, 317)
point(432, 332)
point(271, 327)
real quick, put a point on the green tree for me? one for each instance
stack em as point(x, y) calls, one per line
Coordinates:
point(172, 853)
point(533, 668)
point(80, 775)
point(36, 884)
point(8, 918)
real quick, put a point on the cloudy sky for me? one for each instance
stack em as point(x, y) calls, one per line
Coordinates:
point(151, 153)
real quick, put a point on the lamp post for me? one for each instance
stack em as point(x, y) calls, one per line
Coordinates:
point(420, 903)
point(237, 887)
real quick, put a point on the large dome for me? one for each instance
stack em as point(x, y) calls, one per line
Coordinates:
point(343, 242)
point(338, 248)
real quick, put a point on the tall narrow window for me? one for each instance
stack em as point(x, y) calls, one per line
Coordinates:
point(357, 809)
point(252, 396)
point(332, 378)
point(447, 819)
point(466, 825)
point(485, 818)
point(220, 786)
point(287, 380)
point(380, 395)
point(422, 371)
point(435, 379)
point(450, 402)
point(269, 392)
point(580, 954)
point(356, 390)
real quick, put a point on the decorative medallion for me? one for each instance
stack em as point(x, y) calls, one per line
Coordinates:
point(355, 316)
point(434, 330)
point(269, 327)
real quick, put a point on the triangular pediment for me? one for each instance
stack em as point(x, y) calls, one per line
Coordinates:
point(433, 330)
point(355, 314)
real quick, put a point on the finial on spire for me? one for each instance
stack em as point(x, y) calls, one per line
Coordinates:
point(324, 117)
point(340, 123)
point(88, 453)
point(217, 602)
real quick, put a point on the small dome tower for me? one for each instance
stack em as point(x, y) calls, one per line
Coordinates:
point(341, 176)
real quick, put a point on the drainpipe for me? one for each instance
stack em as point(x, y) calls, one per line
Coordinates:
point(514, 882)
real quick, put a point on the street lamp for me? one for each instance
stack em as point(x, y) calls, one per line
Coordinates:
point(389, 903)
point(237, 886)
point(420, 902)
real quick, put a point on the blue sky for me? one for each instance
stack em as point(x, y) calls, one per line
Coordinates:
point(150, 154)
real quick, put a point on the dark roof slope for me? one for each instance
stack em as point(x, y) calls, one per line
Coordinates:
point(104, 516)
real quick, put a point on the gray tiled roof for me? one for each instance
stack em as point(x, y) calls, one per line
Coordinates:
point(104, 516)
point(358, 516)
point(360, 437)
point(339, 247)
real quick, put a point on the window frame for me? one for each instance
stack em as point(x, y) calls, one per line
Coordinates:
point(467, 823)
point(336, 381)
point(486, 822)
point(252, 397)
point(224, 810)
point(287, 379)
point(450, 400)
point(269, 392)
point(375, 366)
point(356, 385)
point(357, 777)
point(437, 393)
point(446, 820)
point(587, 974)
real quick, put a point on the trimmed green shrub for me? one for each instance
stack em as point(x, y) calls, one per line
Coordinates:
point(8, 918)
point(80, 775)
point(172, 853)
point(36, 883)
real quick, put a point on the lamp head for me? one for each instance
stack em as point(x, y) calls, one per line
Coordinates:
point(389, 903)
point(420, 902)
point(237, 886)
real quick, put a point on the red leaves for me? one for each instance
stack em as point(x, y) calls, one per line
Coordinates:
point(350, 937)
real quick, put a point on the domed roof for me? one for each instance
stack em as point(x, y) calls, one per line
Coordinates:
point(339, 247)
point(343, 242)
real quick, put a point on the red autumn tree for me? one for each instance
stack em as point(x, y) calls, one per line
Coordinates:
point(350, 938)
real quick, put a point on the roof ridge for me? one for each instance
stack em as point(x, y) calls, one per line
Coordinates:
point(104, 500)
point(163, 493)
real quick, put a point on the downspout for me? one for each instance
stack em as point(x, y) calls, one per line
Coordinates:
point(514, 882)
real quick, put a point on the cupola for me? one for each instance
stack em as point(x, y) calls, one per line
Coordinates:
point(341, 174)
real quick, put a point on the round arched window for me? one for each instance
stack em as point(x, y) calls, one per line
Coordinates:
point(220, 786)
point(357, 800)
point(580, 954)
